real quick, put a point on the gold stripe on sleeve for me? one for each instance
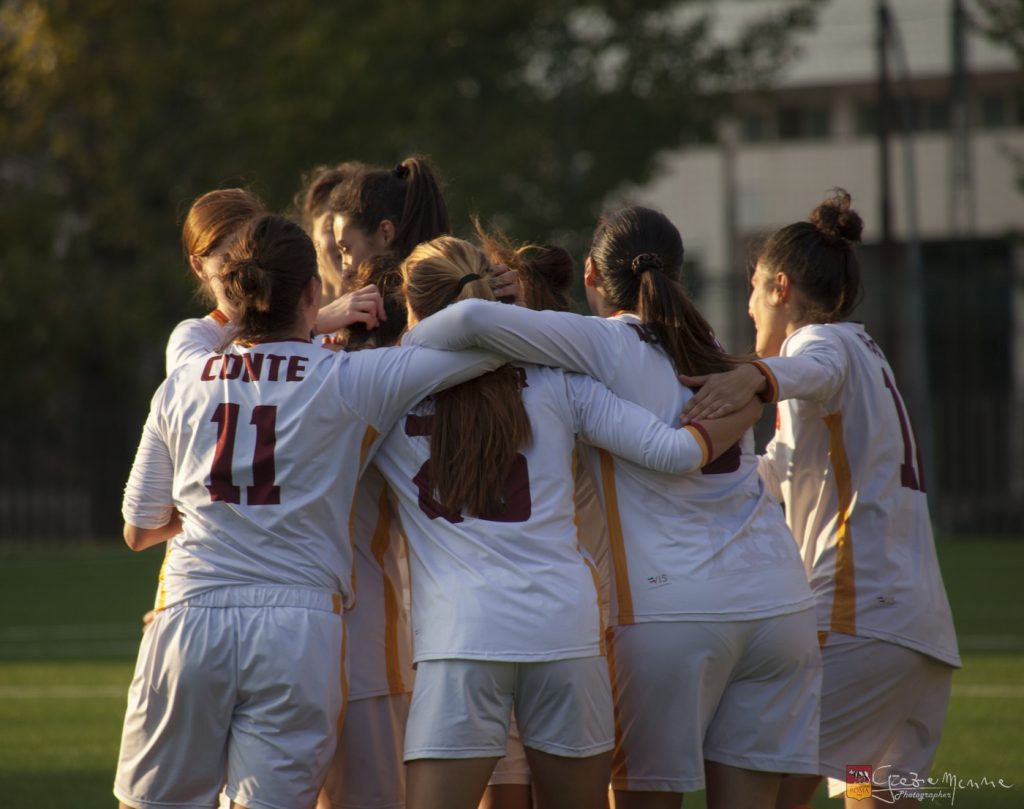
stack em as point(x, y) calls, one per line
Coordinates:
point(379, 547)
point(616, 543)
point(703, 441)
point(844, 599)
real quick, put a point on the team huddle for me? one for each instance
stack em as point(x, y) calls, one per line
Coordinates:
point(434, 541)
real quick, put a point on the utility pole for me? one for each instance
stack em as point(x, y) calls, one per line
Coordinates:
point(961, 179)
point(886, 261)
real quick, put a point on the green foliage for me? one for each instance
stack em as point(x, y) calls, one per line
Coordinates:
point(117, 114)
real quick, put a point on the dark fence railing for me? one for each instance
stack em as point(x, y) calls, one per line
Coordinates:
point(976, 485)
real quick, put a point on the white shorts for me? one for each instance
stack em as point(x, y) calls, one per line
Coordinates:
point(883, 705)
point(242, 682)
point(741, 693)
point(462, 708)
point(513, 768)
point(367, 771)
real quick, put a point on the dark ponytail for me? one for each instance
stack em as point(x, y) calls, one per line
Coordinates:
point(408, 195)
point(265, 272)
point(639, 255)
point(817, 256)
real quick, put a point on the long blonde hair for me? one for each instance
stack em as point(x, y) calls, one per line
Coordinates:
point(479, 426)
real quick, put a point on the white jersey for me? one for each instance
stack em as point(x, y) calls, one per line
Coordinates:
point(260, 448)
point(707, 546)
point(516, 586)
point(846, 463)
point(198, 336)
point(378, 633)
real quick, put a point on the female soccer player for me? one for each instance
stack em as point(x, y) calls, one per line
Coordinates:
point(846, 463)
point(211, 226)
point(379, 216)
point(504, 603)
point(311, 204)
point(715, 665)
point(545, 274)
point(247, 464)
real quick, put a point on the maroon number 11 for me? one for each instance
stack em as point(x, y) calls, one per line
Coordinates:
point(263, 492)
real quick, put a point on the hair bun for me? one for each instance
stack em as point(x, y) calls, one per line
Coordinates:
point(245, 279)
point(646, 261)
point(554, 264)
point(837, 222)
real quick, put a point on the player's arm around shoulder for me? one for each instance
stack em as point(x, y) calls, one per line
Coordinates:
point(384, 384)
point(574, 342)
point(634, 433)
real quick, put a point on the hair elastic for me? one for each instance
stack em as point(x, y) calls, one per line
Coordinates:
point(401, 171)
point(462, 285)
point(644, 262)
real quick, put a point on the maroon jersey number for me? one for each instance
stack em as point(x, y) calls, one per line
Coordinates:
point(518, 504)
point(263, 492)
point(910, 477)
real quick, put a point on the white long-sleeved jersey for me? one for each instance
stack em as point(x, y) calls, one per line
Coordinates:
point(260, 448)
point(845, 461)
point(516, 585)
point(706, 546)
point(197, 336)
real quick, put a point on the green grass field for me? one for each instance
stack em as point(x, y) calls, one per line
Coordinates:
point(69, 629)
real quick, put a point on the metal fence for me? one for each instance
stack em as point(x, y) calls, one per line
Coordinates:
point(976, 486)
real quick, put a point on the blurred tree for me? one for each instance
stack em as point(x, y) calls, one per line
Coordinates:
point(1002, 21)
point(117, 114)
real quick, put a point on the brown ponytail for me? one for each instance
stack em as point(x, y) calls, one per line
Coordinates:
point(265, 272)
point(479, 426)
point(408, 195)
point(639, 255)
point(818, 258)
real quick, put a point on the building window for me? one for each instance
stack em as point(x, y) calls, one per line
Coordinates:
point(804, 123)
point(930, 115)
point(754, 127)
point(995, 111)
point(926, 115)
point(867, 118)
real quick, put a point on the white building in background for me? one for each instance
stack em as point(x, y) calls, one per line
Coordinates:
point(816, 129)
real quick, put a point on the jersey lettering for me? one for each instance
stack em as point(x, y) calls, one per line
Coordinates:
point(254, 367)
